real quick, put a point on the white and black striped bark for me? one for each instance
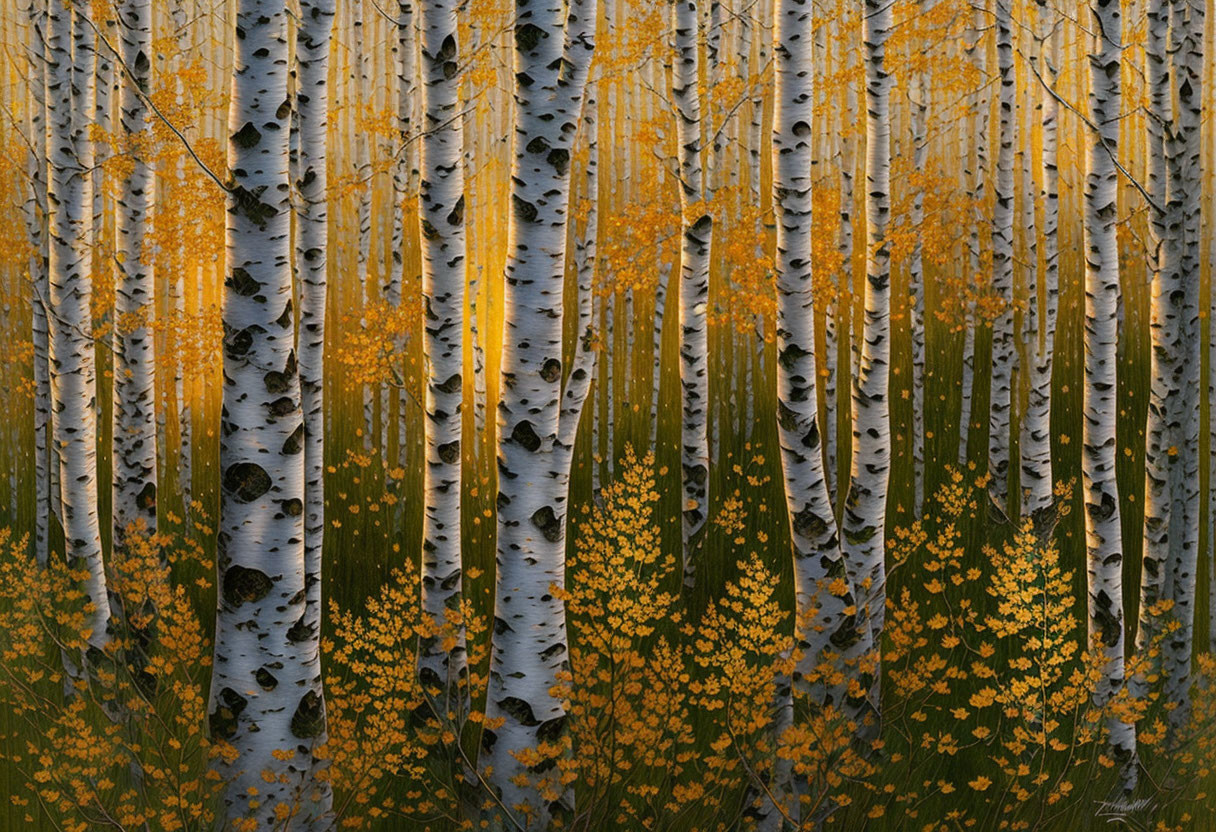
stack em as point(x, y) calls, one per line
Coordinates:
point(1186, 47)
point(134, 452)
point(35, 217)
point(529, 646)
point(660, 307)
point(1000, 396)
point(1104, 543)
point(441, 211)
point(70, 95)
point(266, 686)
point(311, 112)
point(1037, 478)
point(866, 504)
point(361, 85)
point(695, 246)
point(978, 48)
point(916, 285)
point(822, 626)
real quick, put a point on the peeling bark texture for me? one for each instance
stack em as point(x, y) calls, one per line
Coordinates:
point(822, 629)
point(266, 692)
point(1103, 539)
point(71, 58)
point(134, 453)
point(441, 212)
point(696, 243)
point(866, 504)
point(529, 646)
point(1003, 357)
point(1037, 478)
point(311, 111)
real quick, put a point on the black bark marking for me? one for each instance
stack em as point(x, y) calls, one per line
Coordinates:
point(246, 481)
point(308, 721)
point(245, 585)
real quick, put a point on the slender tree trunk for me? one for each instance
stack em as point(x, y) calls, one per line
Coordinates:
point(979, 175)
point(916, 280)
point(529, 647)
point(1001, 395)
point(1101, 495)
point(1187, 47)
point(37, 214)
point(361, 82)
point(660, 307)
point(866, 505)
point(695, 248)
point(822, 626)
point(134, 457)
point(71, 57)
point(313, 39)
point(1037, 477)
point(266, 693)
point(441, 202)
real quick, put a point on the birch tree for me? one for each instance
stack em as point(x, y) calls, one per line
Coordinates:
point(135, 469)
point(311, 111)
point(266, 693)
point(1037, 478)
point(978, 48)
point(1104, 545)
point(695, 247)
point(529, 647)
point(866, 504)
point(1000, 397)
point(441, 202)
point(71, 58)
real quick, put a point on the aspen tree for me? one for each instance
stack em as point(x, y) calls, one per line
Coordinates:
point(311, 111)
point(134, 457)
point(71, 81)
point(978, 48)
point(1037, 479)
point(1103, 536)
point(266, 686)
point(866, 504)
point(442, 208)
point(695, 247)
point(529, 648)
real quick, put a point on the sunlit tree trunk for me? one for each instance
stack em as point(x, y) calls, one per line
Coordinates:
point(361, 83)
point(71, 58)
point(441, 204)
point(313, 39)
point(266, 694)
point(1101, 495)
point(660, 307)
point(134, 457)
point(821, 624)
point(695, 247)
point(529, 647)
point(843, 310)
point(1037, 478)
point(866, 505)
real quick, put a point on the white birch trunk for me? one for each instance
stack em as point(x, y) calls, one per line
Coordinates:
point(1037, 477)
point(36, 217)
point(134, 452)
point(1101, 495)
point(71, 57)
point(660, 307)
point(979, 175)
point(266, 688)
point(441, 210)
point(311, 111)
point(916, 280)
point(866, 505)
point(1001, 395)
point(696, 244)
point(529, 647)
point(822, 627)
